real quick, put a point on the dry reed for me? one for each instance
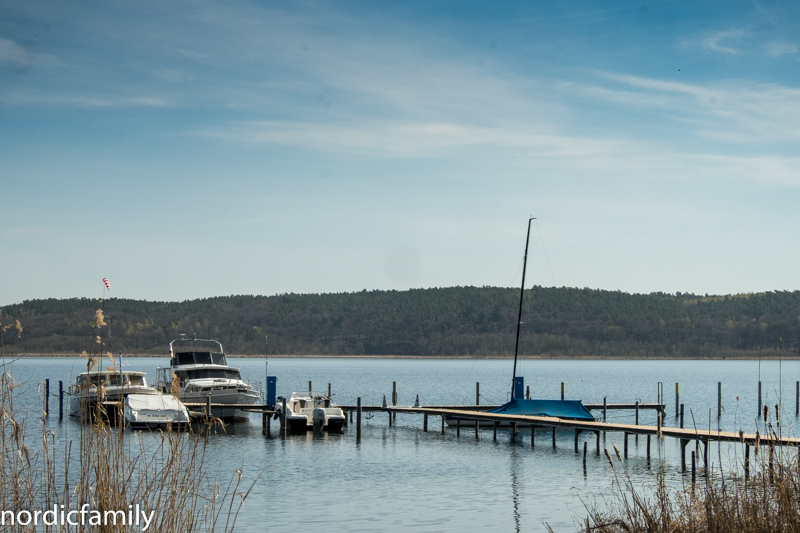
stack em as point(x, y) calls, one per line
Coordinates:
point(161, 472)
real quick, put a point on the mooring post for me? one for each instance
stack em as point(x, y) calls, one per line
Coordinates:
point(759, 398)
point(637, 412)
point(425, 422)
point(693, 467)
point(605, 407)
point(309, 386)
point(597, 434)
point(458, 426)
point(263, 423)
point(562, 390)
point(477, 427)
point(648, 447)
point(719, 399)
point(528, 392)
point(625, 447)
point(390, 418)
point(358, 418)
point(394, 398)
point(554, 438)
point(494, 430)
point(329, 390)
point(584, 457)
point(797, 398)
point(269, 424)
point(442, 424)
point(681, 416)
point(746, 461)
point(60, 400)
point(46, 397)
point(677, 397)
point(284, 429)
point(577, 432)
point(533, 436)
point(477, 393)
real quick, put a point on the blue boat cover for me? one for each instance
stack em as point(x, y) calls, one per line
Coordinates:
point(569, 409)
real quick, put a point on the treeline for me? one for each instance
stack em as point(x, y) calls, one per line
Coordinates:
point(443, 321)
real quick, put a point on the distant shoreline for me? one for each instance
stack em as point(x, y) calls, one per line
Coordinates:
point(440, 357)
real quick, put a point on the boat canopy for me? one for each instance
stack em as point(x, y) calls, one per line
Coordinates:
point(569, 409)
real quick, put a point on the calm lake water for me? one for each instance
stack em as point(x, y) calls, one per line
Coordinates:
point(402, 478)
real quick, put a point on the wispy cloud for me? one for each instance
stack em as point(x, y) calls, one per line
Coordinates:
point(776, 49)
point(84, 101)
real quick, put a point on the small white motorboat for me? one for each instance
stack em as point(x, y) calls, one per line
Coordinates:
point(105, 389)
point(154, 411)
point(306, 411)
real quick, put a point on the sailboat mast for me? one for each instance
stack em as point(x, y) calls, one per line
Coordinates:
point(521, 294)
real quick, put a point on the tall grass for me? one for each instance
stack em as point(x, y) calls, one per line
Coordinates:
point(766, 500)
point(111, 470)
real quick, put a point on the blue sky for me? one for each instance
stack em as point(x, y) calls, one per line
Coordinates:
point(196, 149)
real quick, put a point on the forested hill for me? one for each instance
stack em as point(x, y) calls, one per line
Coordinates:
point(446, 321)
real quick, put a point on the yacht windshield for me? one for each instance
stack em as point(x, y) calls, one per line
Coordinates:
point(199, 358)
point(206, 373)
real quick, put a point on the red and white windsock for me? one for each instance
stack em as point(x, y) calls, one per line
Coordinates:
point(108, 283)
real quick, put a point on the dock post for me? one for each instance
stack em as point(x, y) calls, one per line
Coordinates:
point(442, 424)
point(681, 416)
point(494, 431)
point(60, 400)
point(477, 427)
point(677, 398)
point(562, 391)
point(759, 398)
point(584, 457)
point(648, 447)
point(605, 407)
point(625, 447)
point(693, 467)
point(458, 426)
point(477, 393)
point(577, 432)
point(46, 397)
point(390, 418)
point(264, 418)
point(528, 392)
point(554, 438)
point(797, 398)
point(425, 423)
point(284, 429)
point(358, 418)
point(394, 398)
point(719, 399)
point(637, 412)
point(514, 433)
point(329, 390)
point(309, 386)
point(269, 423)
point(746, 461)
point(597, 434)
point(533, 436)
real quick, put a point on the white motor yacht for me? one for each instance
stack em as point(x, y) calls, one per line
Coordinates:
point(103, 389)
point(306, 411)
point(199, 370)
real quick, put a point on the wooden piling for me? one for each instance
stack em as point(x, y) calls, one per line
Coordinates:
point(458, 426)
point(625, 447)
point(554, 438)
point(494, 430)
point(443, 424)
point(681, 416)
point(477, 428)
point(425, 423)
point(390, 419)
point(597, 434)
point(648, 447)
point(515, 432)
point(694, 468)
point(60, 400)
point(577, 434)
point(759, 398)
point(584, 457)
point(719, 399)
point(528, 392)
point(677, 397)
point(797, 398)
point(358, 418)
point(309, 386)
point(637, 412)
point(264, 423)
point(46, 397)
point(329, 390)
point(394, 398)
point(477, 393)
point(562, 390)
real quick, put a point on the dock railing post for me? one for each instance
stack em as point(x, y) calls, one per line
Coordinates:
point(358, 418)
point(60, 400)
point(46, 397)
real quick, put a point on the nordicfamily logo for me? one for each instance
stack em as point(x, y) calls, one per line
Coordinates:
point(61, 516)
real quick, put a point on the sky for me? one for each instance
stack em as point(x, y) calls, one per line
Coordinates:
point(195, 149)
